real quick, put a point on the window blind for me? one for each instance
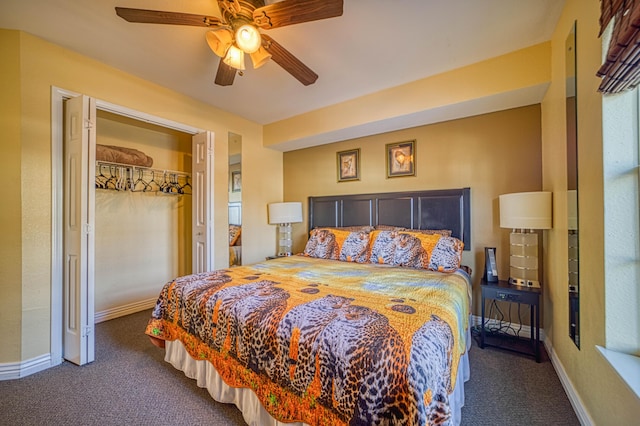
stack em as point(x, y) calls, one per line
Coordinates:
point(621, 69)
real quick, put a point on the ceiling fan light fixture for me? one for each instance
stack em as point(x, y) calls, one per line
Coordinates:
point(260, 57)
point(220, 41)
point(248, 38)
point(234, 58)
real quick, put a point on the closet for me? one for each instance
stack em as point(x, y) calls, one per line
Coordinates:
point(143, 213)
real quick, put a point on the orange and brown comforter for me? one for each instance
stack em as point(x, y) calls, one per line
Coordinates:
point(326, 342)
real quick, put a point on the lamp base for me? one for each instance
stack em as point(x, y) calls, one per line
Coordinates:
point(524, 283)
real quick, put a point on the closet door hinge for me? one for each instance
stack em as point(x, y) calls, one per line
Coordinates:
point(87, 330)
point(88, 123)
point(87, 229)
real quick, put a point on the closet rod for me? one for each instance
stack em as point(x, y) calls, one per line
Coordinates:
point(135, 167)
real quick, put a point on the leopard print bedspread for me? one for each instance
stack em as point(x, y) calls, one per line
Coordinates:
point(326, 342)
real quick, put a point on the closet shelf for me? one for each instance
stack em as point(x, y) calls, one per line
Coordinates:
point(127, 177)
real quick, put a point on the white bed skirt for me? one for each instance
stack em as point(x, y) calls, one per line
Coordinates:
point(252, 410)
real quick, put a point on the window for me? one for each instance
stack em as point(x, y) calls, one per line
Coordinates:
point(621, 147)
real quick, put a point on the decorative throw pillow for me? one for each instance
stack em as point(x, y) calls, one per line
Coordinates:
point(416, 250)
point(338, 244)
point(234, 234)
point(322, 244)
point(355, 247)
point(446, 255)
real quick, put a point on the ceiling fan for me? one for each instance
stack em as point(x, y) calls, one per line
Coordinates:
point(236, 32)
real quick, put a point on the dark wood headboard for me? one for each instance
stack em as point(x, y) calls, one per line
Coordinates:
point(436, 209)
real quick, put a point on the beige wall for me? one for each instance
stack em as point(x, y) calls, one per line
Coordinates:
point(606, 398)
point(492, 154)
point(30, 68)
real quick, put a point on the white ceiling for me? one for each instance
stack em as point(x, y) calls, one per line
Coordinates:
point(375, 45)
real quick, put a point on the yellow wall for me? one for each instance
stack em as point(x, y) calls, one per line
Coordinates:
point(30, 68)
point(11, 210)
point(606, 398)
point(492, 154)
point(142, 239)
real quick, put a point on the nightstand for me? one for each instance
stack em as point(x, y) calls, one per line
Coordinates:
point(505, 292)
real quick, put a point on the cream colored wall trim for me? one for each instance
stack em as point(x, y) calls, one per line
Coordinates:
point(120, 311)
point(17, 370)
point(516, 79)
point(575, 400)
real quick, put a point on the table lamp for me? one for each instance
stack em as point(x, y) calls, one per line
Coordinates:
point(521, 212)
point(283, 215)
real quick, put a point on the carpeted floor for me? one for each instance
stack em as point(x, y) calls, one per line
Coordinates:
point(130, 384)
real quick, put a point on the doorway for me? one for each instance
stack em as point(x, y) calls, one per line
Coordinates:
point(201, 202)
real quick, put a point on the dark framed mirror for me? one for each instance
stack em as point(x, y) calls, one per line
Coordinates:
point(573, 240)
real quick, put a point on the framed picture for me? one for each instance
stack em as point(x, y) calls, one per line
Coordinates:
point(401, 159)
point(349, 165)
point(236, 181)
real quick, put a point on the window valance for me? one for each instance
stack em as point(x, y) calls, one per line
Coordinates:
point(621, 69)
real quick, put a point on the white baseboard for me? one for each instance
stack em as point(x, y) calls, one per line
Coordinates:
point(582, 414)
point(120, 311)
point(17, 370)
point(576, 402)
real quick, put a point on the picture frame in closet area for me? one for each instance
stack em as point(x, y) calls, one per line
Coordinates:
point(236, 182)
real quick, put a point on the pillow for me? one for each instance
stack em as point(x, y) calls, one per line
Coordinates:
point(338, 244)
point(443, 232)
point(446, 255)
point(416, 250)
point(355, 228)
point(389, 228)
point(234, 234)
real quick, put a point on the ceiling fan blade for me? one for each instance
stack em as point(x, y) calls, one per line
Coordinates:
point(290, 63)
point(225, 74)
point(290, 12)
point(162, 17)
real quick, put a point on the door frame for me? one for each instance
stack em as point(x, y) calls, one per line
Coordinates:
point(58, 96)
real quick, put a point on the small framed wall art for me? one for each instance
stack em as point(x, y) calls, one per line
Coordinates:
point(348, 165)
point(401, 159)
point(236, 182)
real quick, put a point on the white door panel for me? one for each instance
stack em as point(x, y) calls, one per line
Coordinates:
point(202, 169)
point(79, 221)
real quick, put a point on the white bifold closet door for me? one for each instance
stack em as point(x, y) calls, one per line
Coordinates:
point(79, 223)
point(202, 211)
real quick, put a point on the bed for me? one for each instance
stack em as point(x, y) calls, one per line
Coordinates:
point(347, 332)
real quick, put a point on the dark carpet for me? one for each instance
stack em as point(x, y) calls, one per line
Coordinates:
point(129, 383)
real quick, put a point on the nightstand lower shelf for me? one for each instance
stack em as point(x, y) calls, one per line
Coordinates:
point(503, 291)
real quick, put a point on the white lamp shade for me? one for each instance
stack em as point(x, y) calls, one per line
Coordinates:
point(248, 38)
point(285, 213)
point(234, 58)
point(526, 210)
